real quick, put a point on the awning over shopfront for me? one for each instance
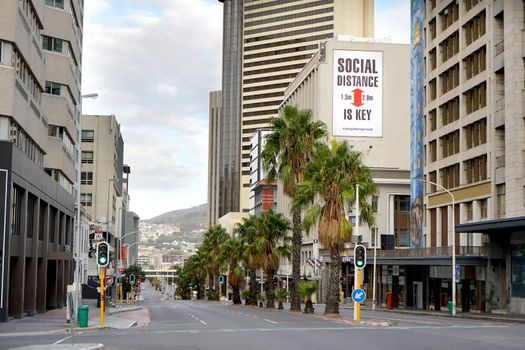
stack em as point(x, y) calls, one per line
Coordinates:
point(501, 226)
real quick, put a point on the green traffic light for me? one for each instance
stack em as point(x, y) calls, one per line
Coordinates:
point(102, 260)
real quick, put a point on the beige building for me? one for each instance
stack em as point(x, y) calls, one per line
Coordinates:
point(474, 142)
point(279, 38)
point(326, 86)
point(40, 73)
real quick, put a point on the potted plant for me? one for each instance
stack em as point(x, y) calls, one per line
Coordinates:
point(281, 295)
point(306, 289)
point(261, 298)
point(246, 295)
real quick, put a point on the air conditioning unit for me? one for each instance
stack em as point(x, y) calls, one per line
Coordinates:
point(66, 248)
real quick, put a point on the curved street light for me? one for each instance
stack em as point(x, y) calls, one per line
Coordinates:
point(453, 240)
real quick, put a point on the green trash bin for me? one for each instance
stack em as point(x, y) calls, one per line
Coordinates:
point(83, 311)
point(450, 308)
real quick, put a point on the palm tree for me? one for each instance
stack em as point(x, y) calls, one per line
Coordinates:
point(280, 295)
point(231, 254)
point(286, 152)
point(330, 185)
point(275, 244)
point(247, 232)
point(306, 290)
point(212, 244)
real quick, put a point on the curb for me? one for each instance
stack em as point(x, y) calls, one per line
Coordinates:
point(79, 346)
point(125, 310)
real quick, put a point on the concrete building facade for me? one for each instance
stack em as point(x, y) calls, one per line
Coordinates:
point(474, 145)
point(316, 88)
point(40, 76)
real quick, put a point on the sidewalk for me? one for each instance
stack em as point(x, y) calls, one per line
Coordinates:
point(54, 321)
point(466, 315)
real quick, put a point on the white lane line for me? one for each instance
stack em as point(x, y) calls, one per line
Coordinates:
point(204, 323)
point(255, 316)
point(61, 340)
point(270, 321)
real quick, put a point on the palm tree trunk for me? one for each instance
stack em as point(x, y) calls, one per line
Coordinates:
point(216, 285)
point(252, 300)
point(332, 300)
point(296, 261)
point(210, 287)
point(270, 297)
point(236, 295)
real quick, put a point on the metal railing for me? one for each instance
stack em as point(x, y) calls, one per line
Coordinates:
point(431, 252)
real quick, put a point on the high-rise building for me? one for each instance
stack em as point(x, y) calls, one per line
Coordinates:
point(40, 74)
point(266, 44)
point(472, 145)
point(213, 156)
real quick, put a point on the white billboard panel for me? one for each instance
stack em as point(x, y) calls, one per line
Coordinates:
point(358, 93)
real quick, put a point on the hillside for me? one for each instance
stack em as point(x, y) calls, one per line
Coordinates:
point(182, 217)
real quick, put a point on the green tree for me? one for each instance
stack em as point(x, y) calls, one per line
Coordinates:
point(211, 247)
point(274, 231)
point(286, 152)
point(247, 232)
point(280, 295)
point(231, 254)
point(329, 186)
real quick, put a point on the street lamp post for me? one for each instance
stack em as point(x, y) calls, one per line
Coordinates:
point(453, 241)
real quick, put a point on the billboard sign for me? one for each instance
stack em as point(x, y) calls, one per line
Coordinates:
point(358, 93)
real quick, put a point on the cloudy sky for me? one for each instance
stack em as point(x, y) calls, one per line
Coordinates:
point(153, 63)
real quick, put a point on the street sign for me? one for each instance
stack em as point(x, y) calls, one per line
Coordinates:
point(458, 271)
point(358, 295)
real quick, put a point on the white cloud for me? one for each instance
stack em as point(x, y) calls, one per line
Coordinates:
point(153, 64)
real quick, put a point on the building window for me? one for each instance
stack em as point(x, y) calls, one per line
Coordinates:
point(88, 135)
point(86, 178)
point(476, 133)
point(433, 178)
point(449, 15)
point(53, 88)
point(432, 27)
point(61, 133)
point(433, 89)
point(469, 211)
point(87, 157)
point(16, 210)
point(26, 144)
point(433, 151)
point(449, 47)
point(52, 44)
point(402, 238)
point(475, 28)
point(449, 79)
point(483, 208)
point(476, 169)
point(55, 3)
point(449, 111)
point(402, 204)
point(86, 199)
point(449, 144)
point(470, 4)
point(476, 62)
point(500, 201)
point(450, 176)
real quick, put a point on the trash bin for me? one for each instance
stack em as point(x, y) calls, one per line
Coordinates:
point(450, 308)
point(389, 301)
point(83, 311)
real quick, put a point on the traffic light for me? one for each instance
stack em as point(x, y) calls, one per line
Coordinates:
point(359, 256)
point(102, 254)
point(221, 279)
point(132, 279)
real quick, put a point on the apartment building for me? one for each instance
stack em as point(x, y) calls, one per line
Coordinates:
point(103, 186)
point(40, 74)
point(266, 44)
point(213, 156)
point(473, 146)
point(347, 78)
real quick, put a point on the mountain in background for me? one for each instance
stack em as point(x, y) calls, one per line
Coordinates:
point(183, 217)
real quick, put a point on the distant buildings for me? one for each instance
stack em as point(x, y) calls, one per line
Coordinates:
point(214, 147)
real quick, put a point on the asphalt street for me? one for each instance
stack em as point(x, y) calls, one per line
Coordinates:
point(202, 325)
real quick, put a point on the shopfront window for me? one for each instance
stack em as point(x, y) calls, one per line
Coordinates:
point(518, 271)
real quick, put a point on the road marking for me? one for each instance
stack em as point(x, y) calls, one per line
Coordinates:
point(270, 321)
point(60, 341)
point(204, 323)
point(255, 316)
